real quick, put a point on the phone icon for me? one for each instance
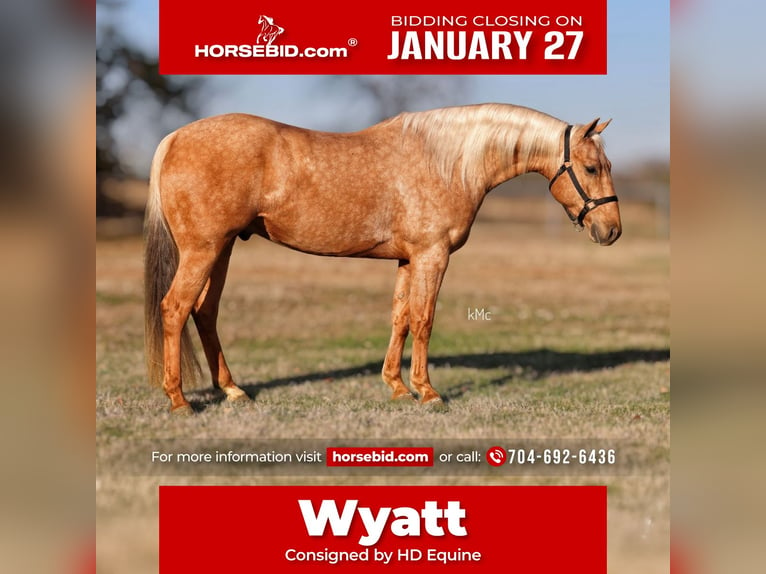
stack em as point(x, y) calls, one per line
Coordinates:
point(496, 456)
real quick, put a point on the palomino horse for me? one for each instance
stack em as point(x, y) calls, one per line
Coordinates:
point(407, 189)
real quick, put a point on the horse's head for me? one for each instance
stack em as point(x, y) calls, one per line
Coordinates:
point(583, 184)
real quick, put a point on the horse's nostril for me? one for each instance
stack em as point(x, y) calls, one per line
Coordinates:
point(614, 234)
point(605, 236)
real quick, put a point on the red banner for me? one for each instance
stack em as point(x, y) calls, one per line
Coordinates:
point(434, 37)
point(425, 529)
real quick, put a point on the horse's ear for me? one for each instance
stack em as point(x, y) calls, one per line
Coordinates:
point(602, 126)
point(596, 128)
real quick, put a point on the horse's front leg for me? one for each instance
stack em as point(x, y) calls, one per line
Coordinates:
point(426, 278)
point(400, 326)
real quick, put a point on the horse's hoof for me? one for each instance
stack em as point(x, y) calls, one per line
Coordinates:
point(403, 398)
point(435, 404)
point(182, 410)
point(237, 398)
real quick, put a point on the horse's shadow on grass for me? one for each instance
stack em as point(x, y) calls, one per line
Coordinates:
point(534, 364)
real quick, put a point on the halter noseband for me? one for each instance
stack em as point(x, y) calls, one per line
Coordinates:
point(590, 203)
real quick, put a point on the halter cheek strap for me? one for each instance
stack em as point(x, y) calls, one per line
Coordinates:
point(589, 203)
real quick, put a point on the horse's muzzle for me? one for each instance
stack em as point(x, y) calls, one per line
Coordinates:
point(605, 234)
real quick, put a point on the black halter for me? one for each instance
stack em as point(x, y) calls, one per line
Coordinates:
point(590, 204)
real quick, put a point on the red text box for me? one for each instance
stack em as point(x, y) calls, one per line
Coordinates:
point(396, 37)
point(380, 456)
point(425, 529)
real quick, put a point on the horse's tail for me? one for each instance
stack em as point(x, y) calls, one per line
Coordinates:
point(160, 265)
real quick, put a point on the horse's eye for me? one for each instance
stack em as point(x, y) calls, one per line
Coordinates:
point(591, 169)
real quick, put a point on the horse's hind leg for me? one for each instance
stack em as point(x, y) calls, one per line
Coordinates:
point(193, 271)
point(400, 320)
point(205, 315)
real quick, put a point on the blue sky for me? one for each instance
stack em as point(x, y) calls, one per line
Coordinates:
point(635, 92)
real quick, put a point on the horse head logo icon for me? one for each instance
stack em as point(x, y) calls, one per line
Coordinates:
point(269, 30)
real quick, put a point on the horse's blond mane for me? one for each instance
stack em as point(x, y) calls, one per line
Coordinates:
point(463, 137)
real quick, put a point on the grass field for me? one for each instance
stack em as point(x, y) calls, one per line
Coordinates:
point(577, 347)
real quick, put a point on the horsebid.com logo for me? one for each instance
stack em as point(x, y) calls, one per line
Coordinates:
point(265, 47)
point(269, 30)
